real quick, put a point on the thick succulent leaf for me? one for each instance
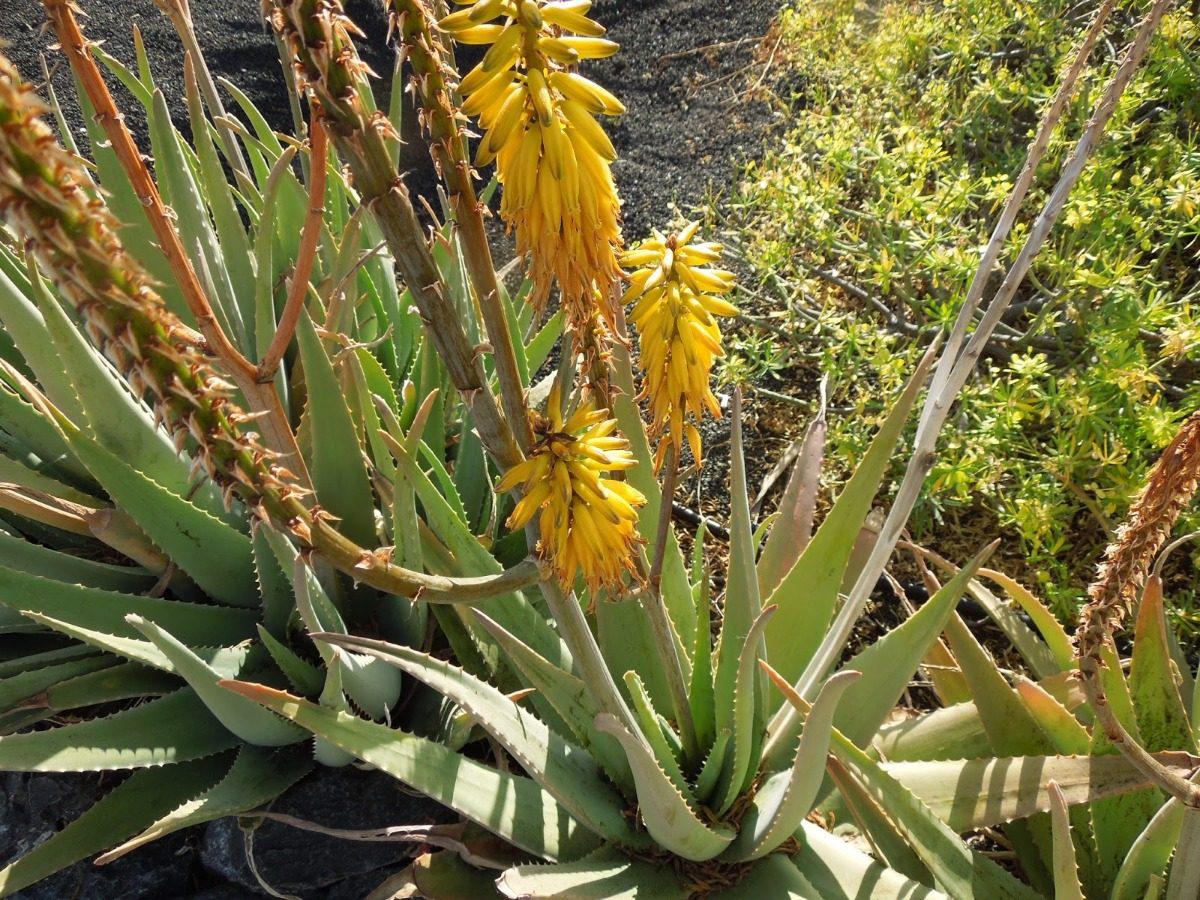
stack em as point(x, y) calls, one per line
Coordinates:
point(179, 189)
point(957, 870)
point(537, 351)
point(976, 793)
point(956, 732)
point(119, 422)
point(744, 724)
point(808, 593)
point(1035, 651)
point(1009, 726)
point(1154, 681)
point(736, 669)
point(840, 872)
point(569, 697)
point(655, 734)
point(37, 435)
point(566, 771)
point(773, 878)
point(126, 809)
point(1184, 880)
point(120, 682)
point(338, 469)
point(700, 686)
point(626, 641)
point(1150, 853)
point(274, 586)
point(28, 684)
point(23, 659)
point(710, 770)
point(226, 660)
point(512, 807)
point(514, 612)
point(642, 476)
point(598, 876)
point(15, 471)
point(1065, 867)
point(105, 611)
point(231, 234)
point(785, 799)
point(668, 817)
point(1047, 624)
point(175, 728)
point(257, 777)
point(1064, 732)
point(793, 529)
point(213, 553)
point(300, 673)
point(888, 664)
point(35, 559)
point(246, 719)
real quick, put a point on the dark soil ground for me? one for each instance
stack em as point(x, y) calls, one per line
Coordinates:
point(687, 72)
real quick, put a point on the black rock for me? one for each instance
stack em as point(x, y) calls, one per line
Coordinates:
point(308, 864)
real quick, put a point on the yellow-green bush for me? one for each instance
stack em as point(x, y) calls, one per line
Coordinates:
point(907, 123)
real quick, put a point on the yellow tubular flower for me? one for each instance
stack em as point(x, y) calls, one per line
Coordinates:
point(553, 159)
point(587, 522)
point(675, 312)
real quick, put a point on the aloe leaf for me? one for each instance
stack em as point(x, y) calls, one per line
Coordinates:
point(246, 719)
point(214, 554)
point(236, 252)
point(225, 660)
point(1064, 732)
point(774, 878)
point(642, 476)
point(958, 871)
point(598, 876)
point(1150, 853)
point(569, 697)
point(655, 733)
point(744, 724)
point(785, 799)
point(977, 793)
point(22, 659)
point(1065, 867)
point(38, 435)
point(274, 587)
point(793, 529)
point(175, 728)
point(626, 641)
point(338, 470)
point(256, 778)
point(35, 559)
point(99, 610)
point(888, 664)
point(840, 872)
point(513, 612)
point(179, 189)
point(742, 607)
point(300, 673)
point(512, 807)
point(1036, 652)
point(1047, 623)
point(120, 682)
point(119, 422)
point(537, 351)
point(123, 811)
point(672, 823)
point(563, 769)
point(808, 593)
point(1154, 681)
point(27, 684)
point(1184, 880)
point(700, 686)
point(711, 768)
point(15, 471)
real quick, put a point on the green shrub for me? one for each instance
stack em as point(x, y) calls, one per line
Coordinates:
point(907, 123)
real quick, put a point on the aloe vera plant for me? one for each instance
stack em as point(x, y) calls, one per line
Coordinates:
point(270, 590)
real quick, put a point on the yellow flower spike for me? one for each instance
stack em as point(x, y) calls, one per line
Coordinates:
point(553, 159)
point(587, 523)
point(674, 290)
